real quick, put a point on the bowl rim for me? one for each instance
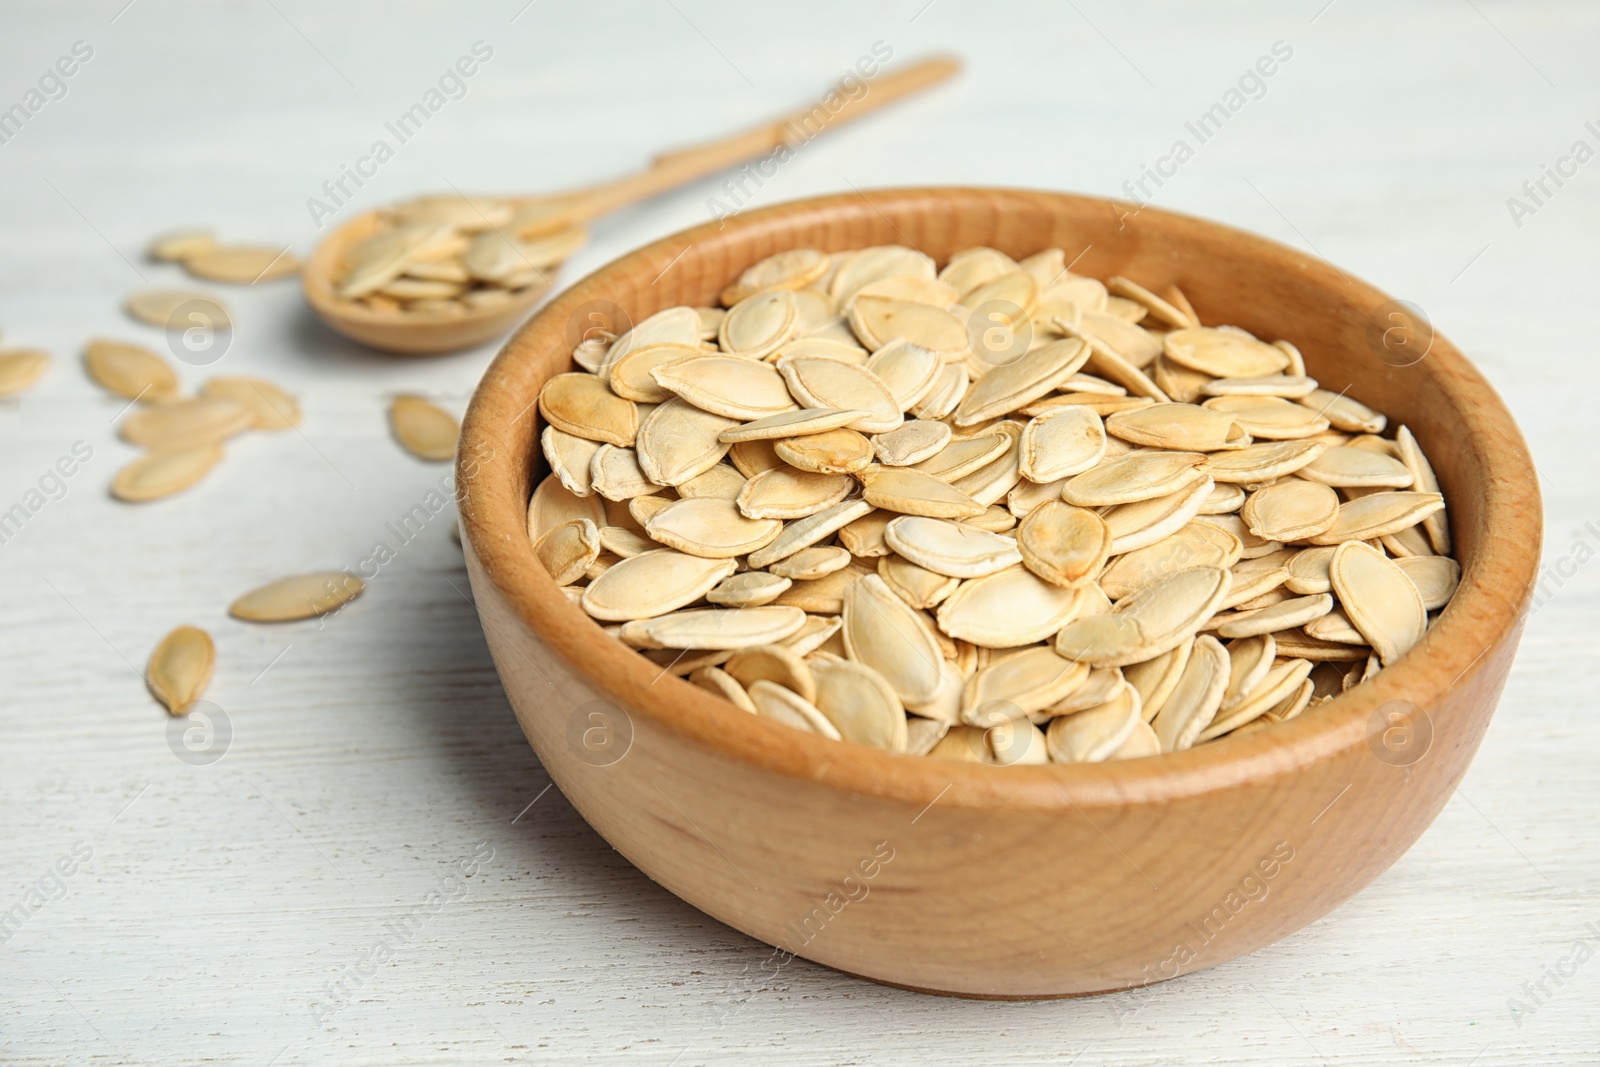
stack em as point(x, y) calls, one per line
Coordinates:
point(1492, 600)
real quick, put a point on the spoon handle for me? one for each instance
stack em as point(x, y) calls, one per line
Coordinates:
point(681, 166)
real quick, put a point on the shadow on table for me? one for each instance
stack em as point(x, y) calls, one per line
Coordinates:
point(548, 856)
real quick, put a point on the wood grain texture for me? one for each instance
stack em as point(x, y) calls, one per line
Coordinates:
point(382, 743)
point(1143, 868)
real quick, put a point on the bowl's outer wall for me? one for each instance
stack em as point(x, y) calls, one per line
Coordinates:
point(1014, 882)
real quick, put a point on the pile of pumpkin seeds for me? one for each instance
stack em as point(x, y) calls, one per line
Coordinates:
point(183, 436)
point(444, 255)
point(998, 512)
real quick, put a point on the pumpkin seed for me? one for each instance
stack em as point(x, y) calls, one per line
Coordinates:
point(774, 702)
point(714, 628)
point(184, 422)
point(784, 493)
point(1284, 385)
point(553, 504)
point(1380, 600)
point(917, 586)
point(1158, 308)
point(1008, 609)
point(569, 550)
point(1194, 545)
point(882, 632)
point(180, 668)
point(1222, 353)
point(716, 680)
point(130, 370)
point(1344, 412)
point(164, 471)
point(1145, 522)
point(712, 527)
point(158, 306)
point(1093, 735)
point(678, 441)
point(1016, 743)
point(675, 326)
point(1284, 615)
point(1154, 620)
point(877, 320)
point(802, 533)
point(1156, 678)
point(809, 564)
point(242, 264)
point(653, 584)
point(624, 542)
point(773, 663)
point(1060, 443)
point(922, 735)
point(178, 245)
point(910, 443)
point(793, 424)
point(1062, 544)
point(819, 382)
point(270, 407)
point(794, 269)
point(949, 548)
point(963, 744)
point(615, 474)
point(1025, 379)
point(1290, 510)
point(856, 270)
point(1377, 514)
point(839, 451)
point(820, 632)
point(1350, 466)
point(910, 371)
point(758, 325)
point(1335, 626)
point(1183, 427)
point(583, 406)
point(21, 369)
point(303, 596)
point(1270, 417)
point(751, 589)
point(1284, 678)
point(1194, 701)
point(1019, 686)
point(570, 459)
point(861, 704)
point(633, 376)
point(734, 387)
point(1436, 578)
point(1435, 524)
point(965, 456)
point(1134, 477)
point(425, 430)
point(911, 492)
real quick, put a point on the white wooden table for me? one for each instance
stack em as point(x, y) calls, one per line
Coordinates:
point(254, 910)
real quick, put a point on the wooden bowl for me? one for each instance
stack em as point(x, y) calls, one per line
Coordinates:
point(1020, 881)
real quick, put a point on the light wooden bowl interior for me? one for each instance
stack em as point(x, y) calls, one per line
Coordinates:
point(1021, 881)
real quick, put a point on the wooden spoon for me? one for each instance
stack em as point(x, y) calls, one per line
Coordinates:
point(420, 333)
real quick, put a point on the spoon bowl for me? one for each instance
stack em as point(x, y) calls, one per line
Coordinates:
point(408, 333)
